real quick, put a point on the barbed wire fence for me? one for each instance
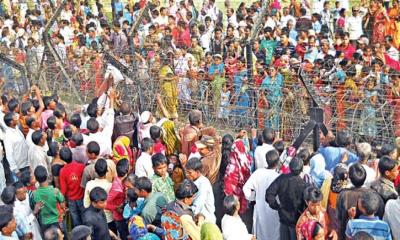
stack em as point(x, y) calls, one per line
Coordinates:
point(368, 113)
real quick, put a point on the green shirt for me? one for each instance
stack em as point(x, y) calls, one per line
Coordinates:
point(50, 197)
point(269, 46)
point(164, 186)
point(153, 205)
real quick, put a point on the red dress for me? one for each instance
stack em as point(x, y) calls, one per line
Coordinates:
point(378, 33)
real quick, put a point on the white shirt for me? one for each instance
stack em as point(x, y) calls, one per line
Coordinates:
point(37, 156)
point(254, 190)
point(285, 20)
point(204, 200)
point(104, 184)
point(233, 228)
point(259, 155)
point(68, 35)
point(392, 217)
point(29, 138)
point(354, 27)
point(371, 175)
point(144, 166)
point(25, 210)
point(16, 149)
point(393, 53)
point(103, 138)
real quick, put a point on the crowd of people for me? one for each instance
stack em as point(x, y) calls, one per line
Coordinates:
point(107, 172)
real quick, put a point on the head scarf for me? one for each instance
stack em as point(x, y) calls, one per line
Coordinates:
point(318, 172)
point(169, 137)
point(307, 229)
point(121, 148)
point(210, 231)
point(340, 178)
point(138, 229)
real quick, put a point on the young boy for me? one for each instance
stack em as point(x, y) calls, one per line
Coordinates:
point(384, 185)
point(8, 225)
point(155, 134)
point(94, 215)
point(48, 198)
point(368, 205)
point(161, 181)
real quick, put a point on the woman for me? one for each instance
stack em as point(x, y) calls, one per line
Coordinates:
point(312, 230)
point(56, 164)
point(273, 84)
point(381, 17)
point(170, 138)
point(368, 114)
point(210, 231)
point(238, 172)
point(339, 182)
point(122, 150)
point(392, 27)
point(394, 99)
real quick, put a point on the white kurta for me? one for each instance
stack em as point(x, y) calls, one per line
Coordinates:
point(255, 189)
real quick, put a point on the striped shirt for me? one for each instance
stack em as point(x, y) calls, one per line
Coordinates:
point(378, 229)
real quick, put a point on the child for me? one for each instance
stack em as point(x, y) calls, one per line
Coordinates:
point(224, 105)
point(155, 134)
point(8, 225)
point(161, 181)
point(384, 185)
point(134, 206)
point(49, 198)
point(232, 225)
point(368, 205)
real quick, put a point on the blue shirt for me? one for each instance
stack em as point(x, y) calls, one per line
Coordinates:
point(238, 81)
point(333, 155)
point(119, 7)
point(274, 87)
point(378, 229)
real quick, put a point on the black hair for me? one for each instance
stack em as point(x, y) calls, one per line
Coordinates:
point(158, 159)
point(29, 121)
point(230, 205)
point(143, 183)
point(100, 167)
point(122, 167)
point(98, 194)
point(312, 194)
point(370, 201)
point(12, 104)
point(146, 144)
point(386, 149)
point(53, 149)
point(6, 216)
point(25, 177)
point(131, 195)
point(227, 142)
point(92, 109)
point(362, 235)
point(305, 155)
point(194, 164)
point(186, 189)
point(386, 164)
point(155, 132)
point(8, 118)
point(51, 122)
point(357, 174)
point(75, 120)
point(66, 154)
point(343, 139)
point(37, 136)
point(272, 158)
point(296, 166)
point(93, 148)
point(279, 146)
point(67, 132)
point(59, 111)
point(40, 174)
point(93, 125)
point(25, 106)
point(18, 185)
point(8, 195)
point(77, 138)
point(268, 135)
point(194, 118)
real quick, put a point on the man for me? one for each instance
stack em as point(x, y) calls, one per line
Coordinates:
point(354, 25)
point(144, 167)
point(204, 201)
point(364, 153)
point(304, 23)
point(89, 173)
point(118, 39)
point(384, 185)
point(254, 190)
point(37, 154)
point(268, 44)
point(286, 17)
point(289, 189)
point(94, 216)
point(125, 124)
point(268, 137)
point(210, 158)
point(391, 50)
point(348, 198)
point(392, 215)
point(70, 180)
point(153, 201)
point(15, 146)
point(192, 132)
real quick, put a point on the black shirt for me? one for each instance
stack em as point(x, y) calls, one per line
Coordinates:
point(96, 219)
point(289, 188)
